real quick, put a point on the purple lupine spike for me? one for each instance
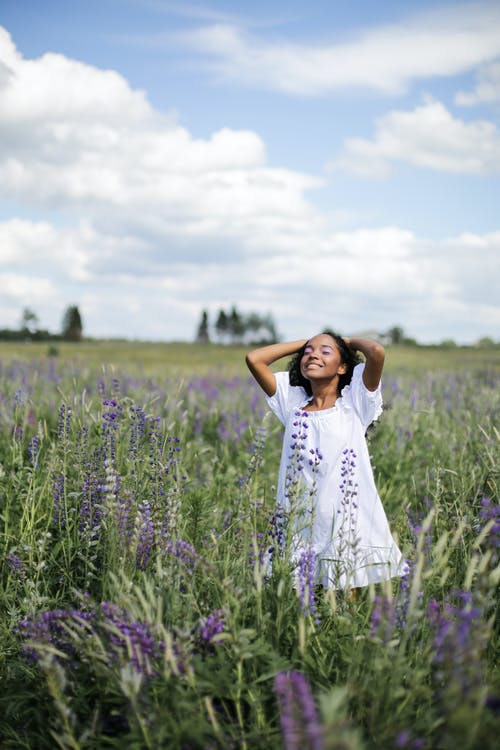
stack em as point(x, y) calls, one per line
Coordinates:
point(383, 619)
point(300, 726)
point(212, 626)
point(306, 581)
point(33, 449)
point(145, 528)
point(459, 639)
point(58, 514)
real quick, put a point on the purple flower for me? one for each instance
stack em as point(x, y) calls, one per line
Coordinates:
point(64, 422)
point(184, 552)
point(306, 581)
point(210, 627)
point(33, 448)
point(16, 565)
point(58, 514)
point(145, 529)
point(300, 726)
point(48, 628)
point(131, 639)
point(459, 640)
point(383, 619)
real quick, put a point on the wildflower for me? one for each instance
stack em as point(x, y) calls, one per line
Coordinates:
point(131, 639)
point(347, 512)
point(16, 565)
point(306, 581)
point(300, 726)
point(145, 535)
point(459, 638)
point(383, 619)
point(209, 629)
point(184, 552)
point(48, 628)
point(33, 448)
point(64, 421)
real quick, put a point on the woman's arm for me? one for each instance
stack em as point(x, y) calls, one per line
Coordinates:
point(258, 362)
point(374, 354)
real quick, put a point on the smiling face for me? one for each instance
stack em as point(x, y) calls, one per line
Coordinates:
point(321, 359)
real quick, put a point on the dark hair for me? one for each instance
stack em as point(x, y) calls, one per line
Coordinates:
point(347, 357)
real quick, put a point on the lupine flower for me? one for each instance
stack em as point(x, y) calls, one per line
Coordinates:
point(131, 639)
point(258, 549)
point(277, 530)
point(110, 427)
point(48, 628)
point(138, 428)
point(126, 639)
point(306, 581)
point(458, 643)
point(347, 512)
point(33, 448)
point(383, 619)
point(145, 535)
point(184, 552)
point(64, 422)
point(297, 458)
point(16, 565)
point(300, 726)
point(404, 740)
point(257, 454)
point(209, 628)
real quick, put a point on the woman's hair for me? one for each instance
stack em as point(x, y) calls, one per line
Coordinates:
point(347, 357)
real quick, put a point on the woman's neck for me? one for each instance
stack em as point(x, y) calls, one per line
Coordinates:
point(324, 395)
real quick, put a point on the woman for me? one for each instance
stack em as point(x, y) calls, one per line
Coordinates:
point(326, 401)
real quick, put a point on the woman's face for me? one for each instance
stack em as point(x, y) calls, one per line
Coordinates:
point(321, 359)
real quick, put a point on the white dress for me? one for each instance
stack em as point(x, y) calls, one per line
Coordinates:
point(327, 489)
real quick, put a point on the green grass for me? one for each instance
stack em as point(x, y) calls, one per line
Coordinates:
point(190, 357)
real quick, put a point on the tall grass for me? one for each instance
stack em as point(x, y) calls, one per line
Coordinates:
point(138, 609)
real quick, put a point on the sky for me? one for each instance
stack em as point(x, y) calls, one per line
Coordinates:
point(332, 163)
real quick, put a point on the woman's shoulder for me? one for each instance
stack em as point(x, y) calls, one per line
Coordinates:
point(287, 396)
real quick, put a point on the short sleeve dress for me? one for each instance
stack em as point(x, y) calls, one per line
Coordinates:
point(327, 489)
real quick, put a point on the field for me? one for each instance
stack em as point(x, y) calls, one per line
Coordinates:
point(137, 517)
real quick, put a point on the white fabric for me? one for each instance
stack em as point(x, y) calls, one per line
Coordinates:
point(331, 498)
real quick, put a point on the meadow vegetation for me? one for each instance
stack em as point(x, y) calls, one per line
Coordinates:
point(137, 521)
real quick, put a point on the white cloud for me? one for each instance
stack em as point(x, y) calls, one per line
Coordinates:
point(386, 58)
point(79, 139)
point(487, 89)
point(54, 87)
point(428, 137)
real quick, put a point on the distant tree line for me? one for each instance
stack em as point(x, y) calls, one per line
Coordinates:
point(71, 328)
point(233, 327)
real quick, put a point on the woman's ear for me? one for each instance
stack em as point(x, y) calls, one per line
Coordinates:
point(342, 369)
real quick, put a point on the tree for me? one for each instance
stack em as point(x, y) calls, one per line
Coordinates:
point(236, 326)
point(396, 335)
point(72, 324)
point(29, 320)
point(221, 325)
point(203, 336)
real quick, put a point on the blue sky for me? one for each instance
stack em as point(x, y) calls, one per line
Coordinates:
point(333, 163)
